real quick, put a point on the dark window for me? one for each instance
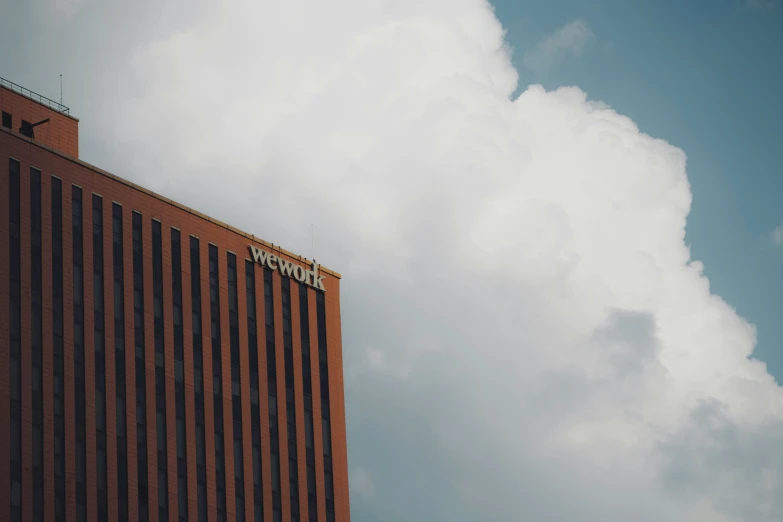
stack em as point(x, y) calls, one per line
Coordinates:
point(100, 356)
point(274, 442)
point(217, 383)
point(27, 129)
point(236, 395)
point(119, 363)
point(141, 380)
point(198, 379)
point(255, 414)
point(15, 263)
point(179, 374)
point(7, 120)
point(78, 353)
point(325, 414)
point(307, 382)
point(57, 350)
point(36, 297)
point(288, 351)
point(160, 371)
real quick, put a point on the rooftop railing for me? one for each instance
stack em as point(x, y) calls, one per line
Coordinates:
point(43, 100)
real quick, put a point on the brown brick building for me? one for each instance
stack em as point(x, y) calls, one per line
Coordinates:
point(156, 364)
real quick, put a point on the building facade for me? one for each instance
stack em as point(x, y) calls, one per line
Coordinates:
point(157, 364)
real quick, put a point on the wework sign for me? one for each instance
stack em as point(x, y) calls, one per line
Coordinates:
point(309, 277)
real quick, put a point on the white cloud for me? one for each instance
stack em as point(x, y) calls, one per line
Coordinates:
point(64, 10)
point(569, 40)
point(362, 484)
point(777, 235)
point(526, 336)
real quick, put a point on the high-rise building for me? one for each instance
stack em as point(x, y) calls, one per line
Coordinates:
point(156, 364)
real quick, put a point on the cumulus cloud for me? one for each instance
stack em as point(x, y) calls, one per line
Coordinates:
point(526, 336)
point(569, 40)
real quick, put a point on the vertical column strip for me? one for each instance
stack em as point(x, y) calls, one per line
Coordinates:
point(141, 377)
point(100, 357)
point(244, 366)
point(263, 401)
point(198, 380)
point(179, 375)
point(15, 278)
point(79, 362)
point(131, 439)
point(160, 371)
point(68, 354)
point(150, 369)
point(285, 506)
point(26, 347)
point(47, 355)
point(271, 368)
point(307, 385)
point(290, 399)
point(109, 364)
point(236, 386)
point(187, 361)
point(255, 412)
point(217, 384)
point(119, 363)
point(36, 344)
point(5, 332)
point(58, 355)
point(326, 432)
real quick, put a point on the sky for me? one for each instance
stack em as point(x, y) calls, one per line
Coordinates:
point(557, 226)
point(707, 81)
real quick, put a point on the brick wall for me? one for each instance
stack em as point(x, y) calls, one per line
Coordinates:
point(61, 132)
point(152, 206)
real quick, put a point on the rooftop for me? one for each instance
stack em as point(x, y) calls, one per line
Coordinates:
point(101, 172)
point(27, 93)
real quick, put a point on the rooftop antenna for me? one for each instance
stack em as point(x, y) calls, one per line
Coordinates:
point(312, 239)
point(61, 89)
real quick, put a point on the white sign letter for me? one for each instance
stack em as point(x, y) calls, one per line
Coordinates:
point(285, 267)
point(259, 256)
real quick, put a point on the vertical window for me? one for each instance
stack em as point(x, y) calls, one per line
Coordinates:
point(141, 379)
point(7, 121)
point(119, 363)
point(78, 354)
point(179, 375)
point(325, 414)
point(290, 400)
point(217, 384)
point(36, 295)
point(255, 414)
point(100, 356)
point(160, 371)
point(15, 263)
point(57, 350)
point(307, 382)
point(236, 393)
point(198, 379)
point(271, 377)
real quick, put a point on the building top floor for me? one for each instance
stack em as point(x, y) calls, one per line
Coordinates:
point(38, 118)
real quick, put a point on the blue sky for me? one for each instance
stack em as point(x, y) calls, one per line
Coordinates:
point(708, 80)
